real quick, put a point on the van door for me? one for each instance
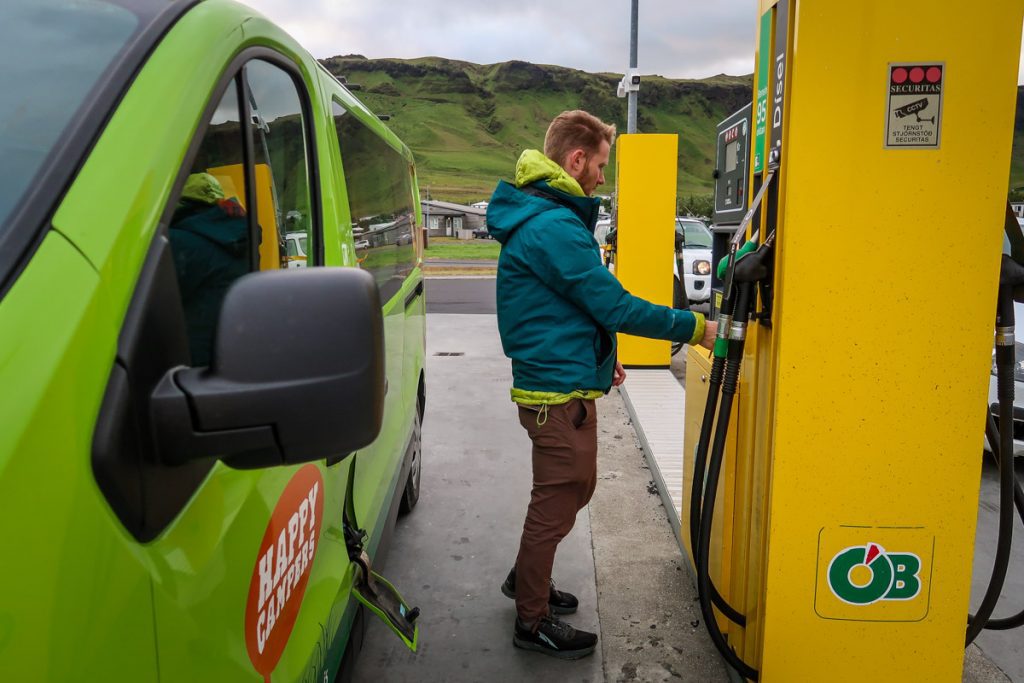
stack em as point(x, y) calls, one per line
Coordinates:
point(382, 215)
point(249, 567)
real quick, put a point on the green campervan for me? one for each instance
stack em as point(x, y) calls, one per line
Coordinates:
point(210, 398)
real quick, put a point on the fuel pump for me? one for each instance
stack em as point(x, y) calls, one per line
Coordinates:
point(819, 548)
point(743, 268)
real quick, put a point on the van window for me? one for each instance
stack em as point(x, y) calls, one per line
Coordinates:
point(282, 179)
point(56, 51)
point(210, 235)
point(380, 195)
point(215, 238)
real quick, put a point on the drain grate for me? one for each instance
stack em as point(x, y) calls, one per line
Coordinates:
point(450, 353)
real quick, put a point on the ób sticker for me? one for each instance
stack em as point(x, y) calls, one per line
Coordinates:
point(914, 106)
point(282, 568)
point(874, 574)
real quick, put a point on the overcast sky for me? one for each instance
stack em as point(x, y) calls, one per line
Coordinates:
point(678, 38)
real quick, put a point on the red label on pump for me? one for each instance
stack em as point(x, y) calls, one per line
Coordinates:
point(282, 568)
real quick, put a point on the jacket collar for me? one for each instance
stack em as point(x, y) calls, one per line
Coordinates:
point(585, 208)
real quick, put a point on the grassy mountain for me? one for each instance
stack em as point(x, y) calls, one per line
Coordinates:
point(467, 123)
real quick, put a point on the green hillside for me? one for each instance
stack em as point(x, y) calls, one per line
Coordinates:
point(467, 123)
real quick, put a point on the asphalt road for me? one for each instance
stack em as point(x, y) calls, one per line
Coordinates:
point(470, 294)
point(461, 295)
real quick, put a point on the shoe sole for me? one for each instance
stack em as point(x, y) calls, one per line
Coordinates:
point(559, 654)
point(554, 609)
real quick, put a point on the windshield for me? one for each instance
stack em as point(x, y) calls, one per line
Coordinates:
point(297, 245)
point(54, 52)
point(695, 234)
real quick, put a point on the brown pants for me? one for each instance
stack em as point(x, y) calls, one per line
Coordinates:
point(564, 477)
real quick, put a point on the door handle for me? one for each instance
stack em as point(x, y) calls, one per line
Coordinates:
point(412, 296)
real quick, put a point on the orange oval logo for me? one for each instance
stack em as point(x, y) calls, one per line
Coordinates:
point(282, 568)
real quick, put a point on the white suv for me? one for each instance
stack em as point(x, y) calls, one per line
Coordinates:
point(696, 259)
point(1018, 374)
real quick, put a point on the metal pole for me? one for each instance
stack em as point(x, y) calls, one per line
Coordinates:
point(631, 101)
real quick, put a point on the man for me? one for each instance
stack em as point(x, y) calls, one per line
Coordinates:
point(558, 312)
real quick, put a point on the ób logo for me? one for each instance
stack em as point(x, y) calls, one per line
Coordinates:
point(866, 574)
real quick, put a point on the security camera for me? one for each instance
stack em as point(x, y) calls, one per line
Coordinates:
point(915, 109)
point(630, 83)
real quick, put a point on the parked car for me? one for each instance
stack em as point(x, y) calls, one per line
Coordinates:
point(482, 234)
point(601, 229)
point(1018, 374)
point(696, 252)
point(295, 245)
point(182, 417)
point(694, 238)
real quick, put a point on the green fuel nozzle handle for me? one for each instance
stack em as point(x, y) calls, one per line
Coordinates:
point(723, 263)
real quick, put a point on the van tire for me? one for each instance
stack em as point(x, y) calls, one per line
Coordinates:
point(411, 492)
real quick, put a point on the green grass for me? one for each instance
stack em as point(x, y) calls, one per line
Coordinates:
point(451, 249)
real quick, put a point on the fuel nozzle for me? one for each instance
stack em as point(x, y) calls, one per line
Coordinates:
point(756, 266)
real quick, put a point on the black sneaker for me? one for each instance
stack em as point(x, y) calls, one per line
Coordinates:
point(559, 602)
point(556, 638)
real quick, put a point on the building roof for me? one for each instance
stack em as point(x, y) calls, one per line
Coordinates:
point(451, 208)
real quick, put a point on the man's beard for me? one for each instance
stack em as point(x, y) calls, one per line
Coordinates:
point(587, 181)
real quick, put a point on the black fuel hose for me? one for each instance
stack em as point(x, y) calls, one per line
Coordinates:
point(992, 432)
point(1005, 391)
point(729, 386)
point(701, 453)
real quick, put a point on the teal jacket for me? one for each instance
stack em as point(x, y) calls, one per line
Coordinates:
point(558, 306)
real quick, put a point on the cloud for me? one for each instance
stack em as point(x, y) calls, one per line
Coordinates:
point(685, 40)
point(678, 38)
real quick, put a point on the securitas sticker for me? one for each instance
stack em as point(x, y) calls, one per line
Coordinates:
point(282, 569)
point(874, 573)
point(914, 105)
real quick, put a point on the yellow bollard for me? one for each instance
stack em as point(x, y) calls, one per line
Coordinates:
point(646, 167)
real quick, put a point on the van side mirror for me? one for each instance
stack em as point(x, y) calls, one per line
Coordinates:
point(297, 374)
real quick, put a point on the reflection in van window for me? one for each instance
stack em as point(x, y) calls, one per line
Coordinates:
point(381, 202)
point(282, 180)
point(213, 238)
point(209, 230)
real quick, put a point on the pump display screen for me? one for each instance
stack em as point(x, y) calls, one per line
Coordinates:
point(731, 156)
point(730, 167)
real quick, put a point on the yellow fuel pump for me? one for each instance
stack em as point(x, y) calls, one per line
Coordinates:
point(850, 471)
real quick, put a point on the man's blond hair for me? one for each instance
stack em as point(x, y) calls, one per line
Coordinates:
point(576, 129)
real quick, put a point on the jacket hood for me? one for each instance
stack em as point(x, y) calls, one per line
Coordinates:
point(202, 187)
point(222, 222)
point(533, 166)
point(541, 185)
